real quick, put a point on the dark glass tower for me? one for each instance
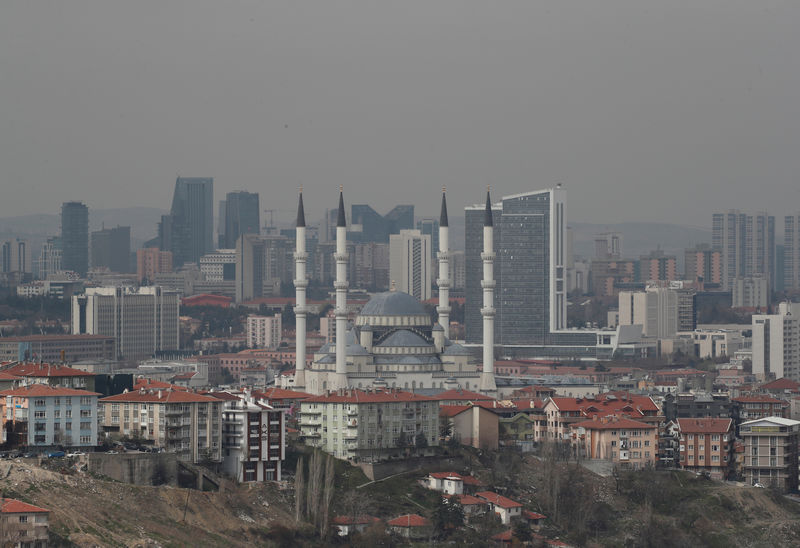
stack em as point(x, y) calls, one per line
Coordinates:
point(241, 216)
point(111, 248)
point(75, 237)
point(191, 220)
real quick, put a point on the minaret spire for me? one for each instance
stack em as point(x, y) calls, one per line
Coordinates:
point(444, 268)
point(300, 285)
point(488, 385)
point(340, 378)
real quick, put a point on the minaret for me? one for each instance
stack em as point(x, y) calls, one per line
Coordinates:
point(340, 379)
point(300, 284)
point(488, 385)
point(444, 269)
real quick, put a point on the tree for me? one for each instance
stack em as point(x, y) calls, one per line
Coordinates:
point(299, 491)
point(421, 441)
point(447, 515)
point(522, 530)
point(402, 440)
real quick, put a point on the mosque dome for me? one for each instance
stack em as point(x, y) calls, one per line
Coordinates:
point(393, 308)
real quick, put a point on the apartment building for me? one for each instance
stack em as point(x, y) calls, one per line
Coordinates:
point(181, 422)
point(253, 439)
point(771, 452)
point(655, 309)
point(55, 348)
point(52, 374)
point(776, 343)
point(44, 416)
point(24, 525)
point(758, 407)
point(625, 442)
point(370, 425)
point(706, 445)
point(263, 331)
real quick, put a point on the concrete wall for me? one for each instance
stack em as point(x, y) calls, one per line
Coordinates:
point(382, 470)
point(136, 468)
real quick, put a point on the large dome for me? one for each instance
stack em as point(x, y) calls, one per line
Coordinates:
point(393, 303)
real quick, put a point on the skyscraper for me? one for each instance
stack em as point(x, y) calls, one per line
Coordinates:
point(530, 292)
point(367, 225)
point(250, 265)
point(747, 244)
point(75, 237)
point(111, 248)
point(241, 216)
point(410, 263)
point(15, 256)
point(791, 252)
point(188, 231)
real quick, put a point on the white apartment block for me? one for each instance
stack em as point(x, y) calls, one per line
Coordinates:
point(750, 292)
point(771, 452)
point(143, 320)
point(253, 440)
point(49, 416)
point(263, 331)
point(776, 343)
point(369, 425)
point(410, 261)
point(655, 309)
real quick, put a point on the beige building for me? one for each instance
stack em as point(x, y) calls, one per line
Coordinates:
point(181, 422)
point(776, 343)
point(410, 263)
point(655, 309)
point(771, 452)
point(24, 525)
point(370, 425)
point(626, 442)
point(472, 425)
point(263, 331)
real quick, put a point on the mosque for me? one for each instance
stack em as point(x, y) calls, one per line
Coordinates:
point(393, 343)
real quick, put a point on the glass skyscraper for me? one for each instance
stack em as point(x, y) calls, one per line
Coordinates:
point(75, 237)
point(188, 231)
point(241, 216)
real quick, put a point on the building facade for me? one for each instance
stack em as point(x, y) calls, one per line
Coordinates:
point(771, 452)
point(253, 440)
point(625, 442)
point(75, 237)
point(151, 261)
point(111, 248)
point(242, 216)
point(703, 263)
point(188, 230)
point(655, 309)
point(776, 343)
point(57, 348)
point(263, 331)
point(410, 260)
point(706, 445)
point(746, 244)
point(750, 293)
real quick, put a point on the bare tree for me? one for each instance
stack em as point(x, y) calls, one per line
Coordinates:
point(299, 491)
point(314, 488)
point(327, 497)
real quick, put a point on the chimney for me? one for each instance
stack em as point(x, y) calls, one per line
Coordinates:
point(159, 394)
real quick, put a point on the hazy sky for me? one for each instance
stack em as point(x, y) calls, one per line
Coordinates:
point(644, 110)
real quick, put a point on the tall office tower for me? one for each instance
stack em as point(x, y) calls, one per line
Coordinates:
point(250, 262)
point(143, 321)
point(111, 248)
point(241, 216)
point(747, 245)
point(410, 263)
point(431, 227)
point(49, 261)
point(791, 252)
point(15, 256)
point(776, 343)
point(367, 225)
point(530, 294)
point(702, 262)
point(75, 237)
point(221, 224)
point(188, 231)
point(151, 261)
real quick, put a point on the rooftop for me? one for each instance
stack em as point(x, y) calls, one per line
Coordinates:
point(44, 390)
point(498, 500)
point(704, 426)
point(160, 396)
point(393, 303)
point(14, 506)
point(45, 370)
point(410, 520)
point(362, 396)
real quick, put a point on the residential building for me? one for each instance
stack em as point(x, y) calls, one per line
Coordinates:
point(625, 442)
point(410, 262)
point(39, 415)
point(658, 266)
point(57, 348)
point(706, 445)
point(607, 276)
point(473, 425)
point(747, 245)
point(506, 508)
point(411, 526)
point(689, 405)
point(111, 248)
point(371, 266)
point(370, 425)
point(758, 407)
point(49, 261)
point(776, 343)
point(75, 237)
point(791, 251)
point(250, 267)
point(263, 331)
point(752, 292)
point(242, 216)
point(53, 374)
point(346, 525)
point(219, 266)
point(451, 483)
point(24, 525)
point(655, 309)
point(151, 261)
point(771, 452)
point(181, 422)
point(143, 321)
point(188, 230)
point(253, 439)
point(703, 263)
point(608, 245)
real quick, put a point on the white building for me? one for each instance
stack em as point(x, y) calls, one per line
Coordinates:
point(776, 343)
point(143, 320)
point(49, 261)
point(655, 309)
point(410, 263)
point(750, 292)
point(219, 265)
point(253, 439)
point(263, 331)
point(15, 256)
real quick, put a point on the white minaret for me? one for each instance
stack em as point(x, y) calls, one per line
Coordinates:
point(488, 385)
point(444, 269)
point(340, 379)
point(300, 284)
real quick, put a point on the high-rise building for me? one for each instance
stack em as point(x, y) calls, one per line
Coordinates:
point(263, 331)
point(776, 343)
point(151, 261)
point(75, 237)
point(791, 252)
point(188, 231)
point(658, 266)
point(111, 248)
point(371, 266)
point(702, 262)
point(410, 263)
point(219, 266)
point(250, 263)
point(655, 309)
point(49, 261)
point(143, 321)
point(747, 246)
point(15, 256)
point(530, 292)
point(750, 292)
point(367, 225)
point(241, 216)
point(770, 452)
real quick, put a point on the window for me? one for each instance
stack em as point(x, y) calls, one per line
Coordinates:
point(86, 440)
point(23, 519)
point(38, 403)
point(86, 400)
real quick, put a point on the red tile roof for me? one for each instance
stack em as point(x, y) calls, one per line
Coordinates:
point(160, 396)
point(360, 396)
point(152, 383)
point(444, 475)
point(461, 395)
point(452, 410)
point(46, 370)
point(704, 426)
point(614, 424)
point(281, 394)
point(505, 536)
point(607, 404)
point(14, 506)
point(350, 520)
point(8, 377)
point(757, 399)
point(781, 384)
point(498, 500)
point(221, 395)
point(466, 500)
point(44, 390)
point(527, 514)
point(410, 520)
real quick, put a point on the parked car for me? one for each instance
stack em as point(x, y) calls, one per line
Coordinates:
point(56, 454)
point(76, 454)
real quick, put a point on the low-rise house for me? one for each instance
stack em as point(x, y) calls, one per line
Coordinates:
point(347, 525)
point(411, 526)
point(180, 421)
point(23, 524)
point(706, 445)
point(626, 442)
point(534, 519)
point(504, 507)
point(449, 483)
point(40, 415)
point(771, 452)
point(781, 387)
point(472, 505)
